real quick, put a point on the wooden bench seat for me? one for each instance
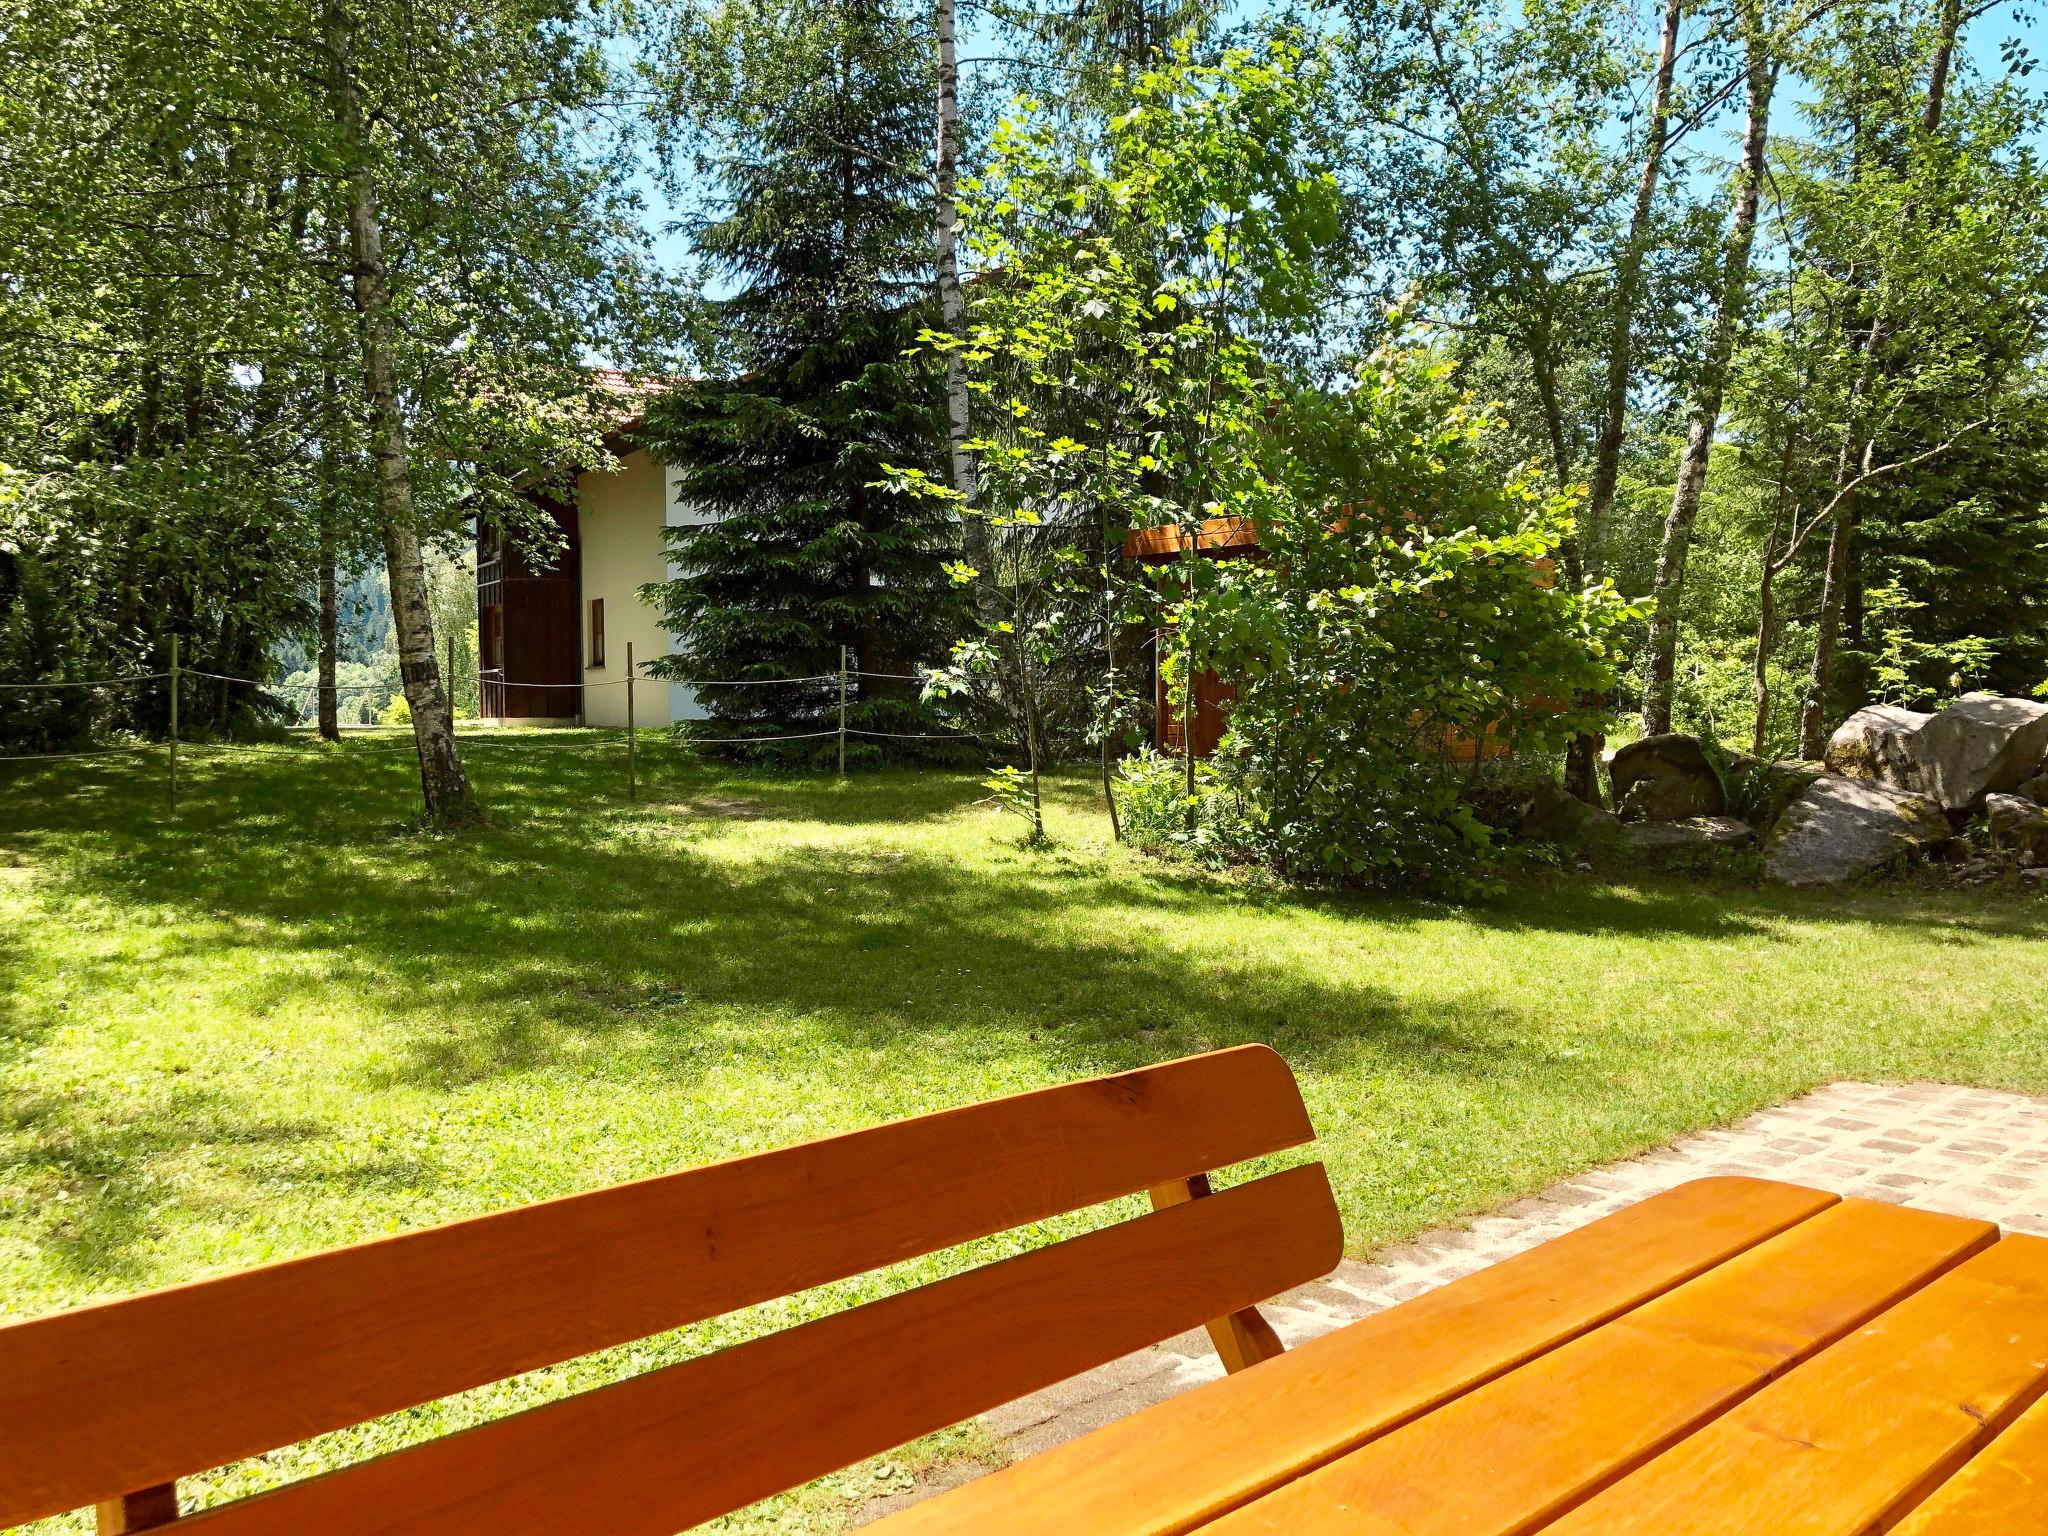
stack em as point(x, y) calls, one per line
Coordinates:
point(109, 1405)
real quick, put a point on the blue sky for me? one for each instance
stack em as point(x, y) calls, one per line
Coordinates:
point(1985, 40)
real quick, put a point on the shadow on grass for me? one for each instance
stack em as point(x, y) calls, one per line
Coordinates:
point(577, 920)
point(83, 1156)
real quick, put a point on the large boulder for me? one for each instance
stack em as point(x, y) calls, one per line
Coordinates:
point(2035, 789)
point(1665, 778)
point(1842, 829)
point(1880, 742)
point(1981, 744)
point(2019, 825)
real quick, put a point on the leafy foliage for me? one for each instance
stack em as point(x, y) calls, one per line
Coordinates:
point(1122, 359)
point(1405, 609)
point(181, 393)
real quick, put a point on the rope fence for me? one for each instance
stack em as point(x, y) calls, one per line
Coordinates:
point(484, 678)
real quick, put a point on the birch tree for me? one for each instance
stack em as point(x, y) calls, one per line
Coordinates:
point(443, 782)
point(1760, 72)
point(1628, 278)
point(461, 163)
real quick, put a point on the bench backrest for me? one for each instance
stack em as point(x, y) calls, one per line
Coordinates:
point(111, 1402)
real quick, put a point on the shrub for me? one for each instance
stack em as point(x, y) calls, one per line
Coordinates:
point(1404, 604)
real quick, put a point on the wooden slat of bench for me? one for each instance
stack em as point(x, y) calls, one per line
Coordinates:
point(1171, 1467)
point(1570, 1422)
point(2001, 1491)
point(1864, 1430)
point(106, 1399)
point(681, 1445)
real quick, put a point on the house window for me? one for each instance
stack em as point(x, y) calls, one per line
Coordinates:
point(596, 633)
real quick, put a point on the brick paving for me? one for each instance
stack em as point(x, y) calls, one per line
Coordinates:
point(1968, 1151)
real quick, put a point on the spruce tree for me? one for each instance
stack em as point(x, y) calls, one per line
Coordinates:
point(818, 120)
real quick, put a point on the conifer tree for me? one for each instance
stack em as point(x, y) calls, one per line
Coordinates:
point(818, 120)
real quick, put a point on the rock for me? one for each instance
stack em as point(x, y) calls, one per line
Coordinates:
point(1661, 839)
point(1668, 799)
point(1982, 744)
point(1665, 778)
point(1767, 788)
point(1976, 872)
point(2020, 825)
point(1841, 829)
point(1549, 815)
point(1879, 742)
point(2035, 789)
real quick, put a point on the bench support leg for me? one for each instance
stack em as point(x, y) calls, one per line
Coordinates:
point(142, 1510)
point(1243, 1338)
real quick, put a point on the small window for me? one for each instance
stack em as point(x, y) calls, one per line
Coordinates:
point(596, 633)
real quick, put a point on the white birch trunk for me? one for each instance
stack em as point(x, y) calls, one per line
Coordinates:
point(443, 783)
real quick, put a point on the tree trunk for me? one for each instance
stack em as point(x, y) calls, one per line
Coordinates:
point(330, 607)
point(1841, 564)
point(443, 783)
point(1107, 725)
point(330, 634)
point(1706, 411)
point(1582, 752)
point(1766, 637)
point(952, 311)
point(1628, 279)
point(1543, 370)
point(1813, 709)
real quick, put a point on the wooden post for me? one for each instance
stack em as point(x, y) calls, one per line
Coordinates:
point(632, 776)
point(140, 1511)
point(842, 711)
point(1243, 1338)
point(174, 720)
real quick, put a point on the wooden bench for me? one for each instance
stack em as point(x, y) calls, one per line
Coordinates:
point(1731, 1358)
point(109, 1405)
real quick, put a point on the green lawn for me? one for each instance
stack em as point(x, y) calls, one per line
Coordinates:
point(278, 1019)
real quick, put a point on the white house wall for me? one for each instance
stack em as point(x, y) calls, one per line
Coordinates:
point(682, 699)
point(622, 514)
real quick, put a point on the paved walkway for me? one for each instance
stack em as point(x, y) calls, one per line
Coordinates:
point(1963, 1150)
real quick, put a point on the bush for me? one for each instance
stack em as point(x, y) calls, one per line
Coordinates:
point(1404, 607)
point(1151, 794)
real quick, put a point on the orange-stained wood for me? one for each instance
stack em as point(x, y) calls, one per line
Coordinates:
point(1865, 1430)
point(1218, 537)
point(1243, 1338)
point(1189, 1459)
point(143, 1510)
point(97, 1402)
point(681, 1445)
point(2001, 1491)
point(1570, 1422)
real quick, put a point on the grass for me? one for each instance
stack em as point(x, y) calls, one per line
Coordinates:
point(278, 1018)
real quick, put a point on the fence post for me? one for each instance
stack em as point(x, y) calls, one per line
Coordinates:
point(174, 721)
point(632, 775)
point(842, 711)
